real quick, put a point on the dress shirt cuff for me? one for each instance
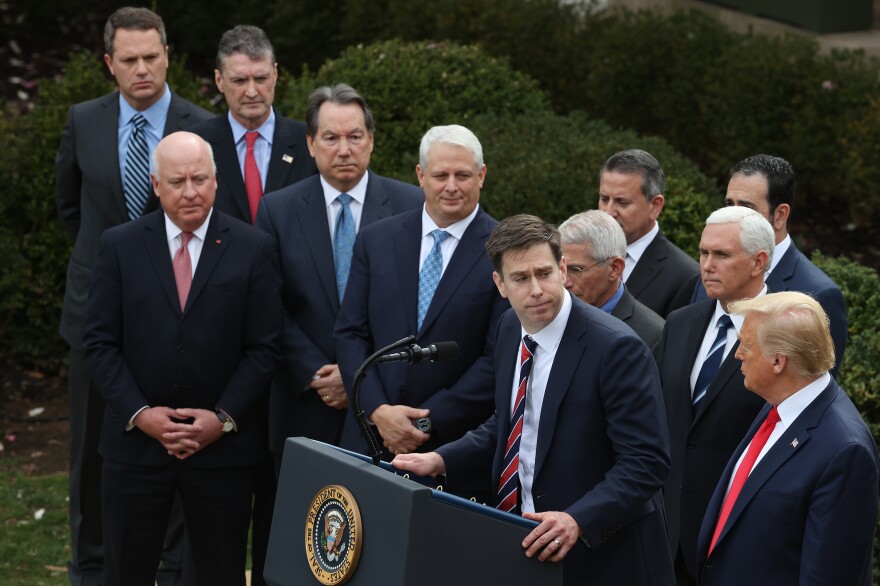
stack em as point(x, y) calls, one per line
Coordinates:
point(130, 425)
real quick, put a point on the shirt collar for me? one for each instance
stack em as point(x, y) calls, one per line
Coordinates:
point(612, 302)
point(794, 405)
point(357, 193)
point(172, 230)
point(266, 130)
point(737, 319)
point(455, 230)
point(549, 336)
point(778, 251)
point(153, 114)
point(637, 248)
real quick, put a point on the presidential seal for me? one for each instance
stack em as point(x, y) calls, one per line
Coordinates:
point(333, 535)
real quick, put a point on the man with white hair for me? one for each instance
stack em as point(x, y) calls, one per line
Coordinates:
point(425, 272)
point(595, 251)
point(707, 406)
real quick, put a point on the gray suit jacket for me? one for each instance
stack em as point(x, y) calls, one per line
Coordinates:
point(88, 190)
point(660, 275)
point(296, 218)
point(644, 322)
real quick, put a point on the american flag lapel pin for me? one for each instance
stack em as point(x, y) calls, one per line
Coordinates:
point(287, 158)
point(794, 443)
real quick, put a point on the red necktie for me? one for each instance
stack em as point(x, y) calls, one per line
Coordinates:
point(183, 268)
point(252, 183)
point(508, 484)
point(745, 468)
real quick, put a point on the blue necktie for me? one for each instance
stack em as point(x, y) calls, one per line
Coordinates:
point(429, 276)
point(343, 242)
point(712, 363)
point(136, 183)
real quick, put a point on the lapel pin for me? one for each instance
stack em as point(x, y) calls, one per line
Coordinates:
point(217, 241)
point(794, 443)
point(287, 158)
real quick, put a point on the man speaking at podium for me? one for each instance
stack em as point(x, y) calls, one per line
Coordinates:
point(578, 439)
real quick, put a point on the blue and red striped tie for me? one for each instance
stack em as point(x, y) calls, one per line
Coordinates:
point(508, 484)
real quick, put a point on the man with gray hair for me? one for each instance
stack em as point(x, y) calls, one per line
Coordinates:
point(426, 273)
point(631, 186)
point(256, 149)
point(314, 224)
point(595, 249)
point(707, 407)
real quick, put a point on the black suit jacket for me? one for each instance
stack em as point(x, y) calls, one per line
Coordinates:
point(289, 162)
point(699, 445)
point(644, 322)
point(380, 307)
point(88, 190)
point(296, 218)
point(602, 450)
point(219, 352)
point(660, 275)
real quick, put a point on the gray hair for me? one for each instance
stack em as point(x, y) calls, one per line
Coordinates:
point(340, 94)
point(598, 230)
point(641, 163)
point(454, 135)
point(247, 40)
point(154, 157)
point(756, 233)
point(133, 18)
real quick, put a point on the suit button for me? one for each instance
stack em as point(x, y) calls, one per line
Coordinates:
point(181, 348)
point(402, 389)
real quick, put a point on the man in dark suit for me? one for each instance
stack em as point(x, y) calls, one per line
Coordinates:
point(202, 291)
point(246, 75)
point(631, 186)
point(797, 502)
point(707, 408)
point(308, 398)
point(766, 184)
point(595, 247)
point(100, 182)
point(425, 273)
point(578, 443)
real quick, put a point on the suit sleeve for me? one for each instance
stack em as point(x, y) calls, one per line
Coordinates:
point(262, 335)
point(629, 389)
point(300, 356)
point(68, 179)
point(472, 454)
point(103, 336)
point(839, 532)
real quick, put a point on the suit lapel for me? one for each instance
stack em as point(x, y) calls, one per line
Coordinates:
point(156, 243)
point(506, 355)
point(648, 266)
point(108, 144)
point(282, 158)
point(217, 240)
point(784, 271)
point(229, 169)
point(312, 216)
point(407, 244)
point(375, 201)
point(470, 250)
point(624, 309)
point(728, 368)
point(691, 346)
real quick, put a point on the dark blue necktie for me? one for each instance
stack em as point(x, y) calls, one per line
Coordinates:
point(136, 182)
point(712, 363)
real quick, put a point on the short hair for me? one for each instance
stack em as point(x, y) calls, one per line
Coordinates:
point(454, 135)
point(246, 40)
point(596, 228)
point(154, 157)
point(756, 233)
point(340, 94)
point(131, 17)
point(520, 233)
point(795, 326)
point(779, 175)
point(641, 163)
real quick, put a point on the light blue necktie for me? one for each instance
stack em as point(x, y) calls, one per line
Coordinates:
point(429, 276)
point(136, 183)
point(343, 242)
point(712, 363)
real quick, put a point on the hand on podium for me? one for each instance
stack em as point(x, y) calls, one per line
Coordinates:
point(553, 538)
point(430, 464)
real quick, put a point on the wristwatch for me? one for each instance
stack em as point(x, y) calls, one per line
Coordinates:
point(226, 423)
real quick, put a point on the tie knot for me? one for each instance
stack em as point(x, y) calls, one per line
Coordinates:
point(724, 322)
point(251, 137)
point(344, 199)
point(439, 236)
point(138, 120)
point(185, 237)
point(530, 344)
point(772, 417)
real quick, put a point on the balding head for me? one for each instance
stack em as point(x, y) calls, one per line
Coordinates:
point(184, 179)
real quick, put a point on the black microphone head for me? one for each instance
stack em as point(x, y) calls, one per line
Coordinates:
point(445, 351)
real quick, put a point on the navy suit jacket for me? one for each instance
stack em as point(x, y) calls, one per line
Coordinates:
point(88, 190)
point(660, 275)
point(219, 352)
point(795, 272)
point(644, 322)
point(380, 307)
point(296, 218)
point(807, 511)
point(699, 445)
point(289, 162)
point(602, 452)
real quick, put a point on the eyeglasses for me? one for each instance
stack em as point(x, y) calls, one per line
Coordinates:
point(578, 271)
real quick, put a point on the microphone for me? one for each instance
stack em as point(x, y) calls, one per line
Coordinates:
point(414, 354)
